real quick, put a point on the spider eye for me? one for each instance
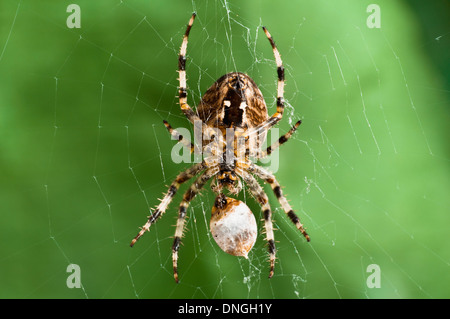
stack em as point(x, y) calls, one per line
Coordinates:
point(233, 226)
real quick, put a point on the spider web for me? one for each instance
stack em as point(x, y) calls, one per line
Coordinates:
point(85, 156)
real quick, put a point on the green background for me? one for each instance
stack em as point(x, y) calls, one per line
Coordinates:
point(84, 154)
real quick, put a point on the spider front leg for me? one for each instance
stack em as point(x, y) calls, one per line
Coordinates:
point(259, 194)
point(182, 89)
point(181, 178)
point(187, 198)
point(270, 179)
point(280, 86)
point(275, 118)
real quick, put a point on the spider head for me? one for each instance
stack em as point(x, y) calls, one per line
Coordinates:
point(227, 179)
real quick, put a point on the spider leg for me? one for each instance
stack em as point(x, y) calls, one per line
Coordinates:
point(181, 178)
point(180, 138)
point(280, 86)
point(283, 139)
point(270, 178)
point(259, 194)
point(275, 118)
point(182, 89)
point(187, 198)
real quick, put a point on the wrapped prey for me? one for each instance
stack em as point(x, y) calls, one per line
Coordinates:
point(233, 226)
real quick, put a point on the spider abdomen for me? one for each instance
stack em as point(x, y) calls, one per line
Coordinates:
point(234, 100)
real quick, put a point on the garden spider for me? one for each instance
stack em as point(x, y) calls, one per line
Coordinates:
point(231, 112)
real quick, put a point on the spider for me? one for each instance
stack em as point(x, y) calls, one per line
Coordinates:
point(235, 108)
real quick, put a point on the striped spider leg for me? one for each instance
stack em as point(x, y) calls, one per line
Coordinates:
point(269, 178)
point(162, 207)
point(182, 89)
point(258, 193)
point(278, 115)
point(189, 195)
point(180, 138)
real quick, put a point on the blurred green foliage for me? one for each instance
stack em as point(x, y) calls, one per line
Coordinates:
point(84, 154)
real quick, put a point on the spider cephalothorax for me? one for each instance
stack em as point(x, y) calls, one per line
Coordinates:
point(233, 116)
